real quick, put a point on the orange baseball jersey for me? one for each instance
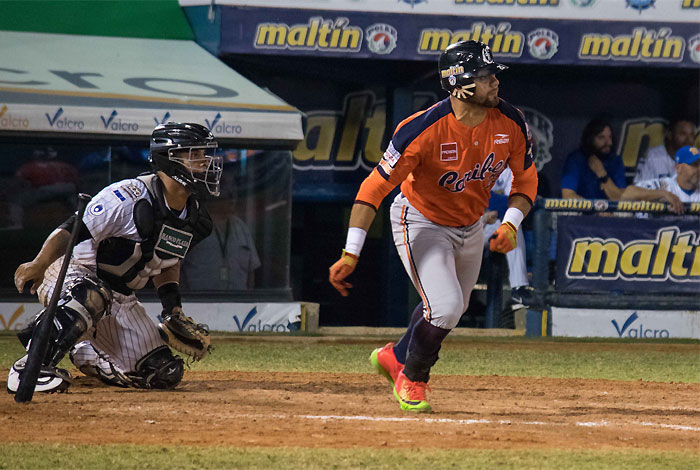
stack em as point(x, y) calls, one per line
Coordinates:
point(446, 169)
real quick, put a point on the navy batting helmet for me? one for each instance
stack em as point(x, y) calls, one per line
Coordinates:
point(463, 61)
point(187, 153)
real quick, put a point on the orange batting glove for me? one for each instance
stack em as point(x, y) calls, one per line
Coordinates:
point(342, 269)
point(504, 238)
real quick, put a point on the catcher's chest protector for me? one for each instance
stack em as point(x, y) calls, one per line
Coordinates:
point(126, 265)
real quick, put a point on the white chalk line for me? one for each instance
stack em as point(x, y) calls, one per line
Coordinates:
point(394, 419)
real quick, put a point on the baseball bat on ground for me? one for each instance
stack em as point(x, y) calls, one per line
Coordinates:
point(40, 337)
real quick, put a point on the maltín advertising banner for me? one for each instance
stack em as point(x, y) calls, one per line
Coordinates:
point(350, 34)
point(628, 254)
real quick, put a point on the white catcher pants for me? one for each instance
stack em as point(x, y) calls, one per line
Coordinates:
point(122, 338)
point(442, 262)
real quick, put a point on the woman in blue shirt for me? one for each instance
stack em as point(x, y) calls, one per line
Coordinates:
point(593, 171)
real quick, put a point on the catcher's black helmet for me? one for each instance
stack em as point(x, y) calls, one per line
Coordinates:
point(187, 153)
point(463, 61)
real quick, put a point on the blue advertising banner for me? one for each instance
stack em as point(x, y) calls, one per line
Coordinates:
point(347, 34)
point(628, 254)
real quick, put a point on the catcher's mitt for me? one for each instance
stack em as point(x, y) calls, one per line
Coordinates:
point(184, 335)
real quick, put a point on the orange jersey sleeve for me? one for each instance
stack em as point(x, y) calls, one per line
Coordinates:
point(373, 190)
point(394, 167)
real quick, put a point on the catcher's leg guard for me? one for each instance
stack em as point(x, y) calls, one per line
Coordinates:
point(158, 369)
point(80, 307)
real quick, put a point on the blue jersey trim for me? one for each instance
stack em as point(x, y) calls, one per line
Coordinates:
point(416, 126)
point(511, 112)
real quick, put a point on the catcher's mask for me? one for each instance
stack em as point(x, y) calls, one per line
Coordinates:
point(463, 61)
point(187, 153)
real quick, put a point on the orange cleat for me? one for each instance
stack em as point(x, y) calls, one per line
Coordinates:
point(385, 363)
point(411, 395)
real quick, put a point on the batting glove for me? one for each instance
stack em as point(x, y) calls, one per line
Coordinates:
point(342, 269)
point(504, 238)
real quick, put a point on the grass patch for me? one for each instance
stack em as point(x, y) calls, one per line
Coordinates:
point(60, 456)
point(521, 357)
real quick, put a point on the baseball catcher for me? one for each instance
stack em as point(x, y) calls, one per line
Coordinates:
point(133, 231)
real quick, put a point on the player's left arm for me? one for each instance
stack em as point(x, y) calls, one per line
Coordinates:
point(522, 194)
point(167, 284)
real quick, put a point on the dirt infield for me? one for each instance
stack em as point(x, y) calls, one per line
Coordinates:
point(358, 410)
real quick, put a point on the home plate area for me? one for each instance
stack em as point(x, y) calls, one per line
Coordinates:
point(358, 410)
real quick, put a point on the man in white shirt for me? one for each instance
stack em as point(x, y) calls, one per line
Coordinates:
point(683, 187)
point(659, 161)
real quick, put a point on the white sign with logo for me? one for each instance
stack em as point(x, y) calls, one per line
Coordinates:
point(140, 121)
point(625, 323)
point(219, 316)
point(127, 86)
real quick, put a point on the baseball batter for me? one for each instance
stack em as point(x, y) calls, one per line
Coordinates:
point(446, 159)
point(675, 190)
point(132, 231)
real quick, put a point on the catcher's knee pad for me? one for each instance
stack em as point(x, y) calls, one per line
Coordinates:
point(81, 306)
point(92, 295)
point(158, 369)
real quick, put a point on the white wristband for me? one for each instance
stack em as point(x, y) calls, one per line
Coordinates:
point(513, 215)
point(355, 240)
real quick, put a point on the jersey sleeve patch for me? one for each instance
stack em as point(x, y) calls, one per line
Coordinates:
point(388, 162)
point(132, 190)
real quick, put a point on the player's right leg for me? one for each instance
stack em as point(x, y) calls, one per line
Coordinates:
point(84, 301)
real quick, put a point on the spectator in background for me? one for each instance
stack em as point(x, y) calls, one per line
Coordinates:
point(677, 189)
point(517, 267)
point(46, 190)
point(227, 259)
point(47, 178)
point(593, 171)
point(660, 161)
